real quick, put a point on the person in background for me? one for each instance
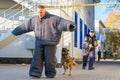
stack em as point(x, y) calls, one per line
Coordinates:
point(92, 44)
point(99, 54)
point(47, 29)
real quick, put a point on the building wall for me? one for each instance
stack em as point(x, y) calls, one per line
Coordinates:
point(85, 22)
point(100, 35)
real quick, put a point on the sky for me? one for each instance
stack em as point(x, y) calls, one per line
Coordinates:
point(101, 12)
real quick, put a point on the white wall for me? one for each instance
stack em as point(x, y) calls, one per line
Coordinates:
point(87, 15)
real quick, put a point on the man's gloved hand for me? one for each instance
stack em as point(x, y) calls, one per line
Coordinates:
point(72, 27)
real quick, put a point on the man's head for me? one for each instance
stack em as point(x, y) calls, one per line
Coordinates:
point(41, 11)
point(91, 33)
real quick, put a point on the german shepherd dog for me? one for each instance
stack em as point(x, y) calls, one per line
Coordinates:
point(67, 61)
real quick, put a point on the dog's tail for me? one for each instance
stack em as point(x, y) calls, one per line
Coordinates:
point(74, 63)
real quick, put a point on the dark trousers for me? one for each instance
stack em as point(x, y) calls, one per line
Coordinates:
point(91, 57)
point(43, 53)
point(99, 56)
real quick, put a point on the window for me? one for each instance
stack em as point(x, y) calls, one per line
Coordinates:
point(81, 33)
point(75, 33)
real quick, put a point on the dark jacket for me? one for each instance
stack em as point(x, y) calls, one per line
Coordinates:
point(47, 30)
point(93, 41)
